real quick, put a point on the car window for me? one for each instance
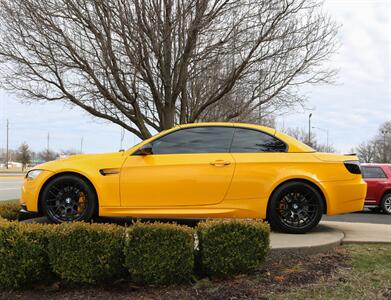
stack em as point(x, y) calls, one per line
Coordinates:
point(373, 172)
point(248, 140)
point(208, 139)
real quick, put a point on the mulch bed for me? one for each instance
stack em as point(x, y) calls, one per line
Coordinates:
point(278, 275)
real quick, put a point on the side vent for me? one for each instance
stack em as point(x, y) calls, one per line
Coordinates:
point(106, 172)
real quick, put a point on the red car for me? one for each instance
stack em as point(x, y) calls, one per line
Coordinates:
point(378, 179)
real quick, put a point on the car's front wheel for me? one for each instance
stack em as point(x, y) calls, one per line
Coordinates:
point(68, 198)
point(295, 207)
point(386, 203)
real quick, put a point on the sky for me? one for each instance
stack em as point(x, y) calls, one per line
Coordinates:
point(350, 110)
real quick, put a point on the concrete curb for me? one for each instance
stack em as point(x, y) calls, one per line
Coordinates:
point(364, 233)
point(38, 220)
point(321, 239)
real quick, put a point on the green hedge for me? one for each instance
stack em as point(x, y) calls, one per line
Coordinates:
point(158, 253)
point(23, 256)
point(228, 247)
point(10, 210)
point(86, 253)
point(153, 253)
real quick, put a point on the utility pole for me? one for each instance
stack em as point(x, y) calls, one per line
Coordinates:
point(384, 132)
point(81, 145)
point(309, 129)
point(48, 142)
point(7, 150)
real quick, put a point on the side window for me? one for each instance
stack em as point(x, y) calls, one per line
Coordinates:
point(208, 139)
point(248, 140)
point(373, 172)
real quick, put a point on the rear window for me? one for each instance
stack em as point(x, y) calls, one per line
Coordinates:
point(373, 172)
point(249, 140)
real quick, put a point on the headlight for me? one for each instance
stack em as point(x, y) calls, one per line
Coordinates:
point(31, 175)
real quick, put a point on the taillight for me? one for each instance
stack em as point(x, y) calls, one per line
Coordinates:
point(353, 166)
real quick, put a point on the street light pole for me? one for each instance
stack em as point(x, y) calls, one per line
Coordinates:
point(384, 132)
point(309, 129)
point(7, 150)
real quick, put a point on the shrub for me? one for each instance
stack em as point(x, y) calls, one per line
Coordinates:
point(86, 253)
point(10, 210)
point(158, 253)
point(228, 247)
point(23, 256)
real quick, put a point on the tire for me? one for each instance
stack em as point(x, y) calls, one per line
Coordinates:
point(295, 207)
point(386, 204)
point(68, 198)
point(375, 209)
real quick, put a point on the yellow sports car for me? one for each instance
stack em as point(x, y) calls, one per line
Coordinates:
point(197, 171)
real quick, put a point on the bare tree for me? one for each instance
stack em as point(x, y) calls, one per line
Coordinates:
point(302, 135)
point(365, 151)
point(69, 152)
point(378, 149)
point(148, 65)
point(24, 155)
point(47, 155)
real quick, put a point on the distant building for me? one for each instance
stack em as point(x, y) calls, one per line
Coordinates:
point(14, 164)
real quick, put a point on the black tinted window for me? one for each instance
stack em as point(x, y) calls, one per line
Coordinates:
point(247, 140)
point(195, 140)
point(373, 172)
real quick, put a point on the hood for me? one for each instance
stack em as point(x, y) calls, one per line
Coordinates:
point(55, 164)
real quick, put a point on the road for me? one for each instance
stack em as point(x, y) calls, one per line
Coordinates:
point(10, 187)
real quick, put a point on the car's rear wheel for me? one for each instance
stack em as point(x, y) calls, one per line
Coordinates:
point(68, 198)
point(295, 207)
point(386, 203)
point(375, 209)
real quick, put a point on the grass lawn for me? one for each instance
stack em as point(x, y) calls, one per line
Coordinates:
point(13, 170)
point(368, 277)
point(12, 201)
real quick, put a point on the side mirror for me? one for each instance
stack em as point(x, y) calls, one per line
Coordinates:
point(146, 149)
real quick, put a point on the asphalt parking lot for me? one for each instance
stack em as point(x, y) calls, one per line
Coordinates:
point(365, 216)
point(10, 189)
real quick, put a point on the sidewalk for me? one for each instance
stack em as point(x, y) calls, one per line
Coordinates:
point(328, 235)
point(362, 232)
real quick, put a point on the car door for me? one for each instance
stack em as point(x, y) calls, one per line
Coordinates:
point(258, 157)
point(188, 167)
point(374, 177)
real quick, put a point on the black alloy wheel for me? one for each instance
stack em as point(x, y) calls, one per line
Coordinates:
point(68, 198)
point(386, 203)
point(295, 207)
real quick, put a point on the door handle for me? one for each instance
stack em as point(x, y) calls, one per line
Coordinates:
point(220, 163)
